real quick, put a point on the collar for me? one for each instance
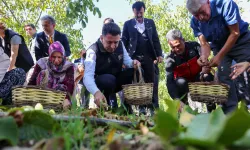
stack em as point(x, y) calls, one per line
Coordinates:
point(139, 22)
point(100, 46)
point(52, 34)
point(34, 35)
point(213, 10)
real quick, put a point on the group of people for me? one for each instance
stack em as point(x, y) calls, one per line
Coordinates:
point(111, 61)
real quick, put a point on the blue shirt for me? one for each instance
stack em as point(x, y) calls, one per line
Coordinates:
point(216, 31)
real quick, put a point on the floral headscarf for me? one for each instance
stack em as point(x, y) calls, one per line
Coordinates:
point(56, 73)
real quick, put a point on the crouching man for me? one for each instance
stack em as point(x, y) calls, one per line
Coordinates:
point(103, 65)
point(182, 66)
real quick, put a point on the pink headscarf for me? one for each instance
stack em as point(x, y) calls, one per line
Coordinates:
point(57, 73)
point(56, 47)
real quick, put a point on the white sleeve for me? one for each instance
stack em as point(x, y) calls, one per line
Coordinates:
point(89, 73)
point(127, 61)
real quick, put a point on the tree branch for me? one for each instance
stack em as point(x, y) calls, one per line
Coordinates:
point(38, 17)
point(39, 14)
point(11, 12)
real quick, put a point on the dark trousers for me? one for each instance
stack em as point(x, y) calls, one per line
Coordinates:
point(110, 84)
point(240, 53)
point(155, 88)
point(85, 96)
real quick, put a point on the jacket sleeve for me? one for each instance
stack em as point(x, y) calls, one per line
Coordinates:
point(156, 40)
point(197, 47)
point(35, 73)
point(65, 44)
point(125, 35)
point(171, 85)
point(38, 48)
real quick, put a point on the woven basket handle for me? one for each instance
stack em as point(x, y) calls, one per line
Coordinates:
point(141, 80)
point(216, 79)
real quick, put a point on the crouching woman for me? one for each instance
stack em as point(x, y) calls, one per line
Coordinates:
point(55, 72)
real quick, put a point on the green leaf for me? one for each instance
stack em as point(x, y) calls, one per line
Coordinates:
point(188, 109)
point(37, 125)
point(204, 130)
point(173, 107)
point(40, 119)
point(244, 141)
point(8, 130)
point(166, 125)
point(32, 132)
point(236, 126)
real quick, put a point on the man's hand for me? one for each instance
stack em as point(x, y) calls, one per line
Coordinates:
point(160, 59)
point(239, 68)
point(206, 69)
point(215, 61)
point(202, 61)
point(99, 99)
point(80, 69)
point(9, 69)
point(136, 63)
point(66, 104)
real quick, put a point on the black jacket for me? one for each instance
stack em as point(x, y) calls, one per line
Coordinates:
point(42, 44)
point(129, 36)
point(107, 63)
point(24, 59)
point(173, 60)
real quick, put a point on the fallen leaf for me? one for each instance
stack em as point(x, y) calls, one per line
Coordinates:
point(144, 129)
point(50, 144)
point(111, 135)
point(98, 131)
point(18, 116)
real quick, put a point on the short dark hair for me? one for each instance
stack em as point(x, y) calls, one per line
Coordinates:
point(111, 28)
point(30, 25)
point(138, 5)
point(109, 20)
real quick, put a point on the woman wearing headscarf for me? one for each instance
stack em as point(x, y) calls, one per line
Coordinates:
point(55, 72)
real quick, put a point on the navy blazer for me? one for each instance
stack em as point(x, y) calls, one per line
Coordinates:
point(129, 36)
point(42, 44)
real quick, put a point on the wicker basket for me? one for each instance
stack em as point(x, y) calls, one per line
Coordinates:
point(138, 93)
point(31, 95)
point(209, 92)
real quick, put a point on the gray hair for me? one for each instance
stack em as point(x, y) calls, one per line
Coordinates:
point(174, 34)
point(48, 18)
point(194, 5)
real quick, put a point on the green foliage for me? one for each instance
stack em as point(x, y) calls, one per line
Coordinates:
point(172, 107)
point(244, 141)
point(166, 125)
point(8, 130)
point(36, 125)
point(67, 14)
point(206, 131)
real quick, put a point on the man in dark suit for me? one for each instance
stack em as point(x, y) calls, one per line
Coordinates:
point(48, 36)
point(142, 43)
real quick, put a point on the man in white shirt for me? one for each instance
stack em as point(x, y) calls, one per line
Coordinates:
point(103, 65)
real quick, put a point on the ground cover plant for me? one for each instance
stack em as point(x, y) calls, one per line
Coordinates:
point(99, 129)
